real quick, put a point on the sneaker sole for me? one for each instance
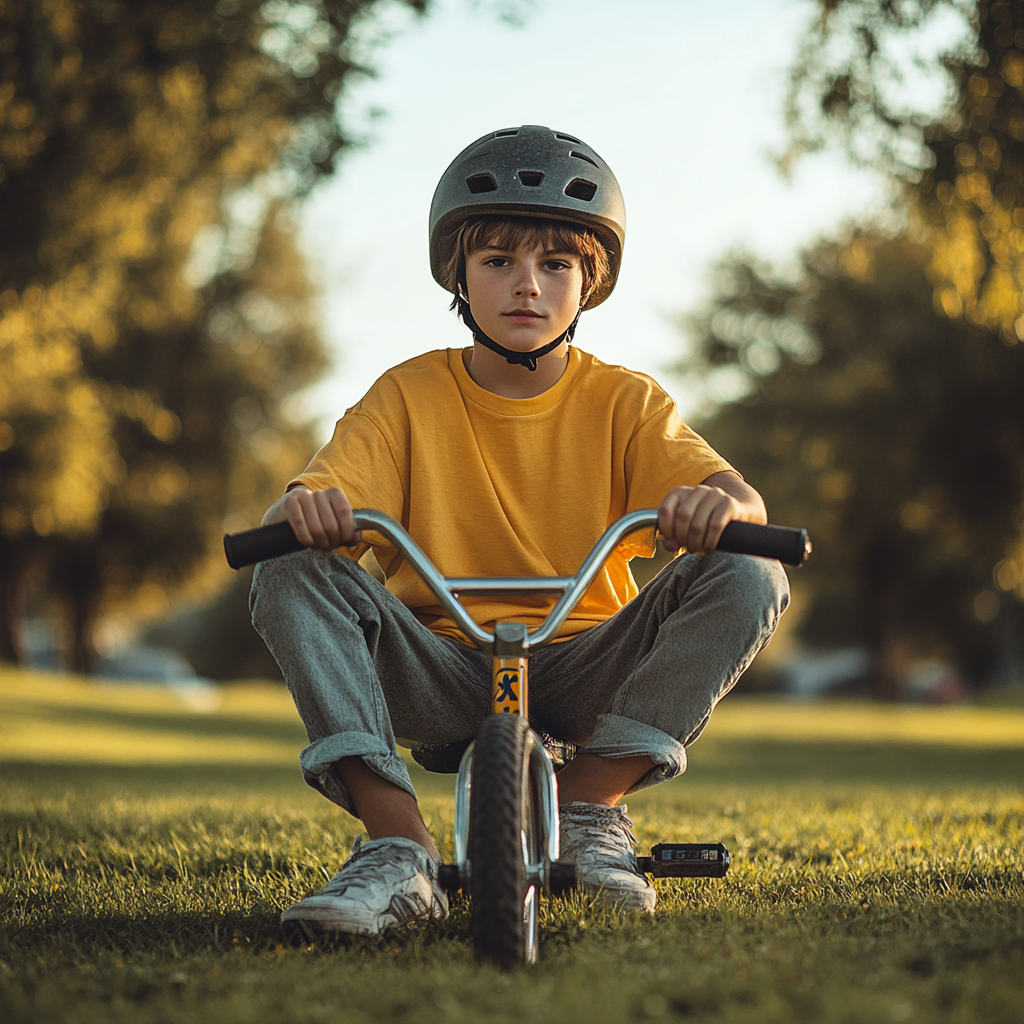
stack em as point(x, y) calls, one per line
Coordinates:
point(626, 901)
point(307, 933)
point(299, 931)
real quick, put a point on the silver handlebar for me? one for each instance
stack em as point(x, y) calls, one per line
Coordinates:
point(571, 587)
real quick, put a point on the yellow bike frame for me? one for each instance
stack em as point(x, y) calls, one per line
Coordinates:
point(509, 671)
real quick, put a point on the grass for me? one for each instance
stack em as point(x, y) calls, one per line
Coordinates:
point(148, 847)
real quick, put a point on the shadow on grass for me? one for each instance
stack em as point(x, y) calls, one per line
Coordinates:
point(969, 929)
point(152, 781)
point(210, 726)
point(180, 934)
point(158, 933)
point(203, 780)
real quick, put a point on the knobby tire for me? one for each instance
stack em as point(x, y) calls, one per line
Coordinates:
point(502, 811)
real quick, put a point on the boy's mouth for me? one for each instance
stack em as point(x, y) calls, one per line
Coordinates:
point(525, 313)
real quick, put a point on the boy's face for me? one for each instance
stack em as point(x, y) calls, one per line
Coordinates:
point(523, 298)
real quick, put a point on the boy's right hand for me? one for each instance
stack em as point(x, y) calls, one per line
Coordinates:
point(321, 519)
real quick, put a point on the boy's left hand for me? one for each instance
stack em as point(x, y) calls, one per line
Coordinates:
point(694, 517)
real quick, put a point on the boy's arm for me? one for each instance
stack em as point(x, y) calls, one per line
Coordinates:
point(694, 517)
point(320, 519)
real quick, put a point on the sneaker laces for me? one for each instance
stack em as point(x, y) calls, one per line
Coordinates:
point(363, 866)
point(599, 830)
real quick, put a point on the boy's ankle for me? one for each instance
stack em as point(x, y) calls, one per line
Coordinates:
point(431, 850)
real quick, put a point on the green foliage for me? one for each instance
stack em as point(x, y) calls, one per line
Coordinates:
point(880, 389)
point(962, 173)
point(895, 435)
point(874, 878)
point(153, 310)
point(158, 535)
point(848, 83)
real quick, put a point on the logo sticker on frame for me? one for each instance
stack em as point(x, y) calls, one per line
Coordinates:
point(506, 689)
point(506, 686)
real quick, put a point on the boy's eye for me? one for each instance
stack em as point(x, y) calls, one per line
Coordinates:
point(557, 265)
point(496, 261)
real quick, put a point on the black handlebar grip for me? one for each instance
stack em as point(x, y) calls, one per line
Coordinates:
point(781, 542)
point(260, 544)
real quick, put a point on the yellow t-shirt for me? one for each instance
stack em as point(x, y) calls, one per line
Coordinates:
point(493, 486)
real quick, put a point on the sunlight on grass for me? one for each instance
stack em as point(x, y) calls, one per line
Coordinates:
point(58, 719)
point(952, 725)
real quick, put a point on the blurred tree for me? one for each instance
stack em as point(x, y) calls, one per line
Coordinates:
point(234, 449)
point(895, 434)
point(153, 311)
point(962, 168)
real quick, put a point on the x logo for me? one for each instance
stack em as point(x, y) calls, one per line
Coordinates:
point(506, 682)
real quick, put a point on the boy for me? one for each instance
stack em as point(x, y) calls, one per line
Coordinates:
point(509, 458)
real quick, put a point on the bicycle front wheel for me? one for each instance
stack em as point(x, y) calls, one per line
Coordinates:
point(505, 843)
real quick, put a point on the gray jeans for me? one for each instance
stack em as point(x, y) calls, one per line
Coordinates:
point(363, 670)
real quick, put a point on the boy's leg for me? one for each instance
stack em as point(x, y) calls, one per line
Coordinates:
point(594, 779)
point(644, 683)
point(636, 690)
point(385, 809)
point(361, 668)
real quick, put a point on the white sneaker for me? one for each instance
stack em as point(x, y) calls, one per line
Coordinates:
point(384, 882)
point(599, 840)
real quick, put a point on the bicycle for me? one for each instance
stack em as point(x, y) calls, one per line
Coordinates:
point(506, 792)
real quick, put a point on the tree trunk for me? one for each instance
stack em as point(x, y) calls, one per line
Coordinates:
point(81, 654)
point(882, 571)
point(12, 600)
point(78, 580)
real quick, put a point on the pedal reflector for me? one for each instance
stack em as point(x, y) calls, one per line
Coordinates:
point(686, 860)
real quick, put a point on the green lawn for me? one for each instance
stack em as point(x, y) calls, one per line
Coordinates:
point(149, 844)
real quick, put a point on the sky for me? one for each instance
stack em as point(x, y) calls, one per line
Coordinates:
point(682, 98)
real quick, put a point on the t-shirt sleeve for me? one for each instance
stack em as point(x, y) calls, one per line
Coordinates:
point(665, 453)
point(360, 460)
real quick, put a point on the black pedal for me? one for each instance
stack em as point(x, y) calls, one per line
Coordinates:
point(448, 877)
point(561, 877)
point(686, 860)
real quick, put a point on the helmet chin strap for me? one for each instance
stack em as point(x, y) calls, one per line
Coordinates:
point(527, 359)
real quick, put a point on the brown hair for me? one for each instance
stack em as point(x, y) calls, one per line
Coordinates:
point(515, 232)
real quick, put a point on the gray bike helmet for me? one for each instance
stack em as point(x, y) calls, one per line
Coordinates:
point(530, 171)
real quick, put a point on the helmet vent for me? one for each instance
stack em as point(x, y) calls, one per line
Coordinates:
point(566, 138)
point(478, 183)
point(531, 178)
point(582, 156)
point(507, 133)
point(580, 188)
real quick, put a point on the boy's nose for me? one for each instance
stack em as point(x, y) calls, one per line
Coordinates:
point(527, 283)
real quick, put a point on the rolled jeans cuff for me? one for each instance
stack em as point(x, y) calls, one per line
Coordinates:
point(317, 761)
point(616, 736)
